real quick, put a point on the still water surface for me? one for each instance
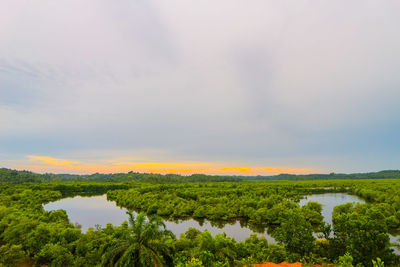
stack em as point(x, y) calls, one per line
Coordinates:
point(329, 201)
point(89, 211)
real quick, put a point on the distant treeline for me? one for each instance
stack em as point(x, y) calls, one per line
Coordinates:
point(387, 174)
point(18, 177)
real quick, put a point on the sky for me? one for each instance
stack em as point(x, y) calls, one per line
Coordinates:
point(217, 87)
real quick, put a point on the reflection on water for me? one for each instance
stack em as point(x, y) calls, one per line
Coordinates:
point(89, 211)
point(329, 201)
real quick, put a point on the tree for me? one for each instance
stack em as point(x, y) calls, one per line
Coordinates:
point(11, 255)
point(55, 255)
point(378, 263)
point(312, 212)
point(361, 231)
point(295, 233)
point(144, 243)
point(346, 260)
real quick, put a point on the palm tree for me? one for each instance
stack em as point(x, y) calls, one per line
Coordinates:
point(143, 244)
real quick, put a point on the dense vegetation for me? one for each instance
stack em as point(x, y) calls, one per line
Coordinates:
point(259, 203)
point(388, 174)
point(31, 235)
point(17, 177)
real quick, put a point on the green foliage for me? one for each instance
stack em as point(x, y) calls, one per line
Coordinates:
point(29, 234)
point(18, 177)
point(259, 203)
point(224, 251)
point(378, 263)
point(361, 231)
point(54, 255)
point(8, 176)
point(144, 243)
point(192, 262)
point(387, 174)
point(346, 260)
point(11, 255)
point(295, 233)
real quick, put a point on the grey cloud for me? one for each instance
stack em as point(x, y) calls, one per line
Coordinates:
point(272, 82)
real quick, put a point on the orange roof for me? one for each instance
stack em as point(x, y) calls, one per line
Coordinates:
point(282, 264)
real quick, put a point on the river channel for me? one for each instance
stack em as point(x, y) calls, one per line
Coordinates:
point(97, 210)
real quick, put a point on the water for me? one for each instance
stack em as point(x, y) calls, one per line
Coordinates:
point(329, 201)
point(89, 211)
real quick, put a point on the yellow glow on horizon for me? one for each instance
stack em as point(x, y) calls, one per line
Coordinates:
point(50, 164)
point(243, 170)
point(161, 165)
point(52, 161)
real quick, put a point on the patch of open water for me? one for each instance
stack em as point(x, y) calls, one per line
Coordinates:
point(93, 210)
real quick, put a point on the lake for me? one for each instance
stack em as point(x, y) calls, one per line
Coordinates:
point(89, 211)
point(329, 201)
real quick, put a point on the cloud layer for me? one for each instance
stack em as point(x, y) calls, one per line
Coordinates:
point(306, 84)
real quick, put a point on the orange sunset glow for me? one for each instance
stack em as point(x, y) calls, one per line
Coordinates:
point(49, 164)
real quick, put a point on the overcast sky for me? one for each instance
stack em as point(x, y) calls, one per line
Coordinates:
point(275, 86)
